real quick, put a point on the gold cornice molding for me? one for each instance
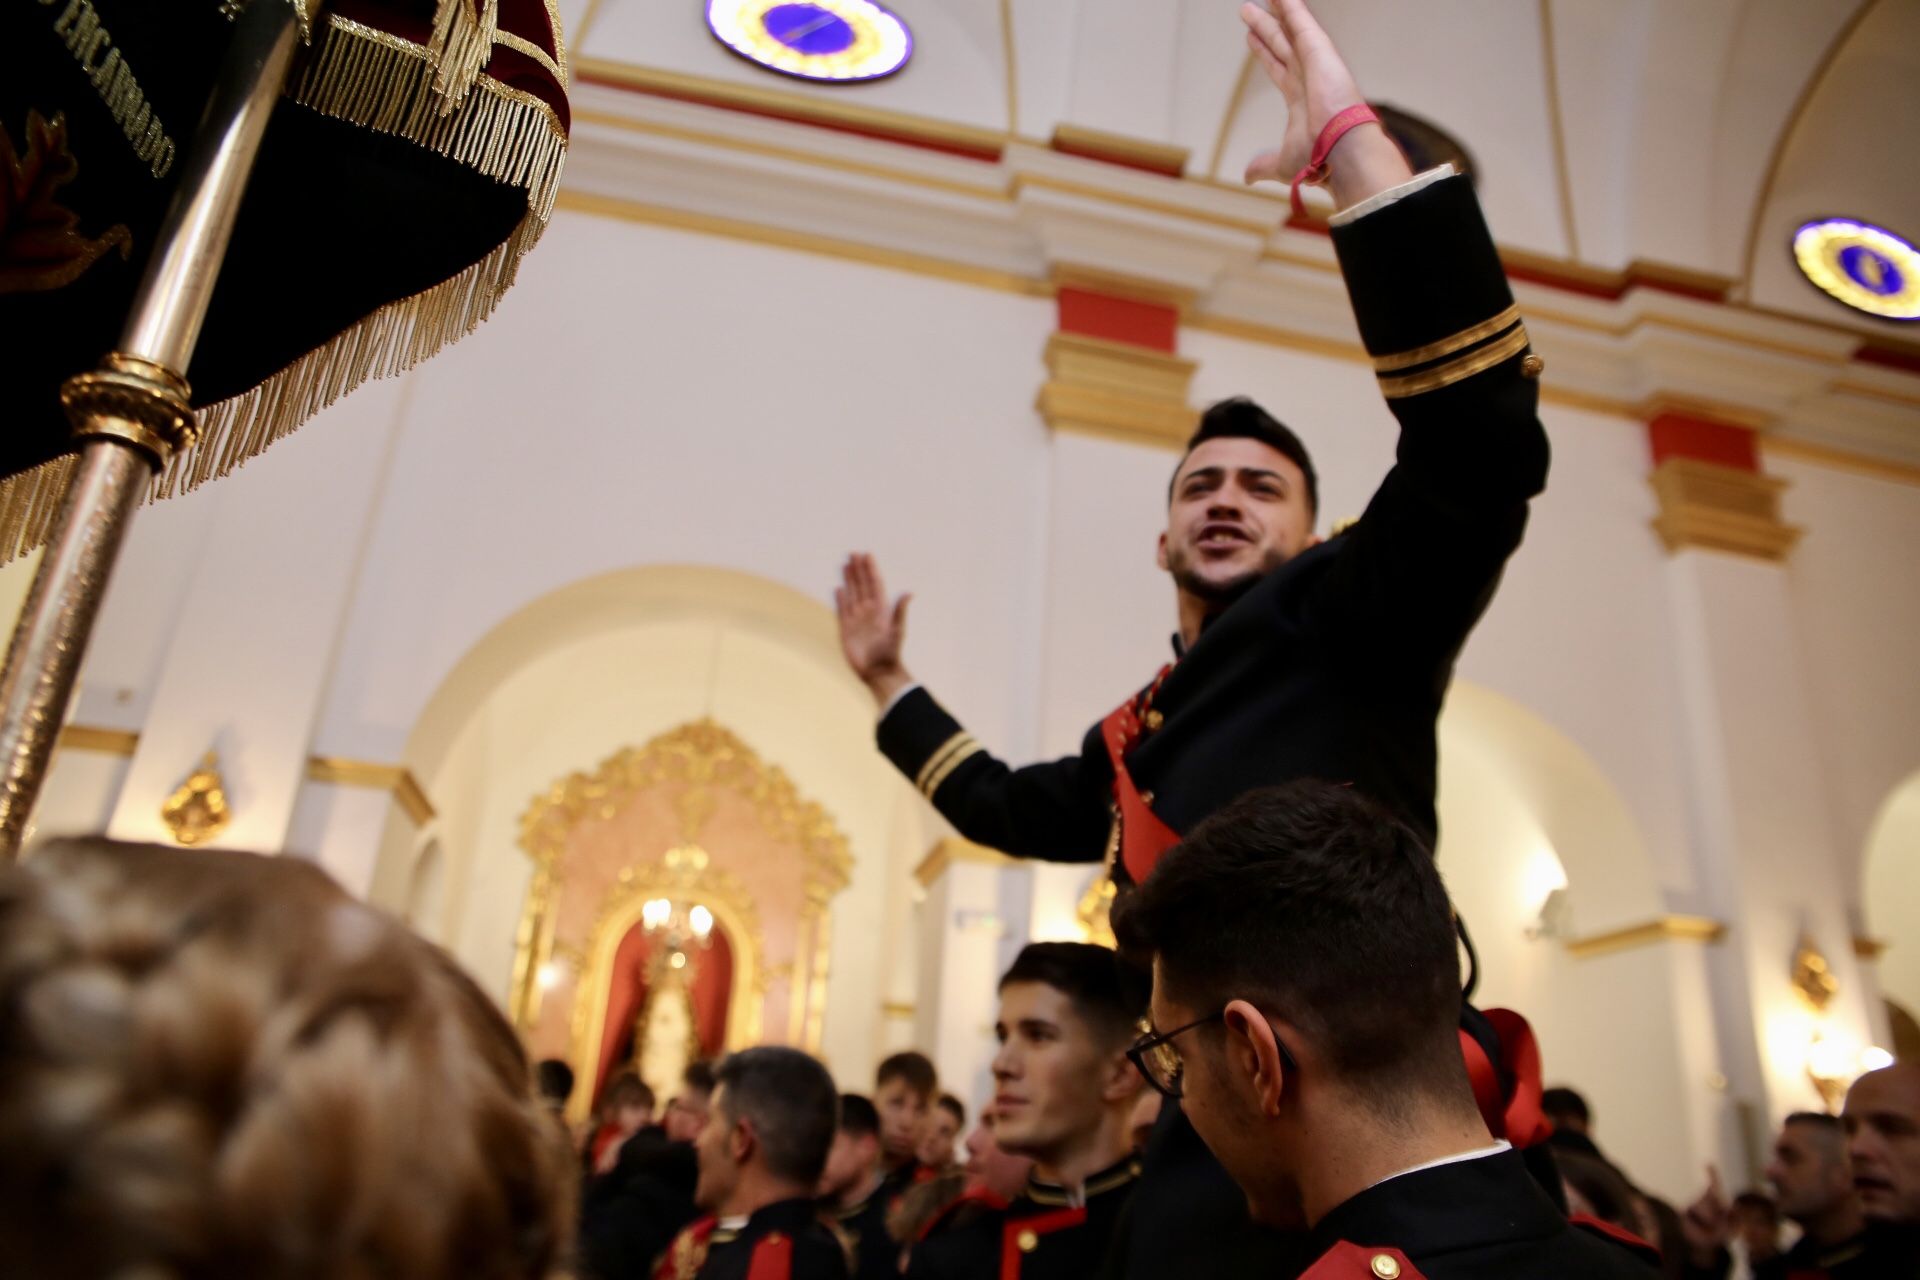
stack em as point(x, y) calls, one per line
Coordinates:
point(1866, 948)
point(87, 737)
point(1826, 455)
point(804, 241)
point(1719, 508)
point(1117, 390)
point(1732, 415)
point(897, 125)
point(394, 778)
point(1069, 275)
point(898, 1009)
point(1160, 157)
point(955, 849)
point(1666, 928)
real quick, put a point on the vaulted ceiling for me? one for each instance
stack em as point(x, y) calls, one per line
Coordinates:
point(1606, 132)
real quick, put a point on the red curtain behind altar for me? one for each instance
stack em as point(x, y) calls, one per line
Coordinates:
point(711, 992)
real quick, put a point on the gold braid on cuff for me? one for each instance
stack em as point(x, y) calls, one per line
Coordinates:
point(1460, 356)
point(945, 759)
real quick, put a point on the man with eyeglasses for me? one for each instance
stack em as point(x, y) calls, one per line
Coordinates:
point(1305, 1009)
point(1064, 1095)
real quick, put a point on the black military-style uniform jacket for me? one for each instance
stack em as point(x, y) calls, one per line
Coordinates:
point(786, 1240)
point(1334, 665)
point(1045, 1234)
point(1868, 1256)
point(1479, 1219)
point(863, 1228)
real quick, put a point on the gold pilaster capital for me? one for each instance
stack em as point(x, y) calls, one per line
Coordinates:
point(1721, 508)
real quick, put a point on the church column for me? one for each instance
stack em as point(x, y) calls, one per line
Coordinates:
point(1786, 991)
point(972, 915)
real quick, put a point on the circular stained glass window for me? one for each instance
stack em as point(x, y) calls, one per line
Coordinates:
point(830, 40)
point(1868, 268)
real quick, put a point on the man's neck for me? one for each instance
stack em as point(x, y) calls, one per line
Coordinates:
point(1838, 1223)
point(752, 1194)
point(862, 1191)
point(1085, 1154)
point(1193, 616)
point(1354, 1154)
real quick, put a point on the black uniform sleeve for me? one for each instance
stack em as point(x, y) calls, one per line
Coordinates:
point(1452, 357)
point(1057, 811)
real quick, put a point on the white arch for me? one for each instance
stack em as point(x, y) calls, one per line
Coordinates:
point(1890, 879)
point(612, 661)
point(1522, 810)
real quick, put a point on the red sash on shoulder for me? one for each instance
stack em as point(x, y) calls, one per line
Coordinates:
point(684, 1257)
point(1515, 1116)
point(1143, 837)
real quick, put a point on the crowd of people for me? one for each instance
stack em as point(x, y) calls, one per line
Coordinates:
point(220, 1064)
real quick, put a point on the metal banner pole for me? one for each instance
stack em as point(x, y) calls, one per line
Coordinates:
point(133, 412)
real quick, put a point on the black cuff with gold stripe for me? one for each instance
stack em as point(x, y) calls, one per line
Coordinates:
point(923, 741)
point(1429, 292)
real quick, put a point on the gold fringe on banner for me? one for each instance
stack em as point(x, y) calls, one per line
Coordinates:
point(378, 81)
point(462, 42)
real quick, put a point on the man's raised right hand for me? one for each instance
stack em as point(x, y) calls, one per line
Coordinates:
point(872, 629)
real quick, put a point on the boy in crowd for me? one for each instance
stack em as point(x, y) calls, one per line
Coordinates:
point(850, 1190)
point(903, 1093)
point(761, 1154)
point(944, 1124)
point(630, 1214)
point(1064, 1093)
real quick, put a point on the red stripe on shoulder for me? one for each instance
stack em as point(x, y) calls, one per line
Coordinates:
point(772, 1257)
point(1349, 1261)
point(1618, 1235)
point(1021, 1236)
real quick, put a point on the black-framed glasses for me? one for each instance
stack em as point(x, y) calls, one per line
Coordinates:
point(1156, 1058)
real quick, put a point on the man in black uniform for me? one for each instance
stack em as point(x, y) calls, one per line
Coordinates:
point(1814, 1186)
point(1064, 1093)
point(1296, 657)
point(1306, 1008)
point(852, 1190)
point(768, 1130)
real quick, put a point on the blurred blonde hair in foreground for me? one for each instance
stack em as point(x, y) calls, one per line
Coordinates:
point(220, 1064)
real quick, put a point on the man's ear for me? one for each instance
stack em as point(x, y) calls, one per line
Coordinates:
point(742, 1141)
point(1160, 553)
point(1122, 1081)
point(1253, 1052)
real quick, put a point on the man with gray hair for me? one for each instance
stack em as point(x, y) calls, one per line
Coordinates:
point(769, 1128)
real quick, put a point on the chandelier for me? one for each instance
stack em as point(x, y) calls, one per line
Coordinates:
point(677, 926)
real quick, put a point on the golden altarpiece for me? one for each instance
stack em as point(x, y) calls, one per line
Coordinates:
point(673, 868)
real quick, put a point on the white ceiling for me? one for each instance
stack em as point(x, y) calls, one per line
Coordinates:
point(1694, 133)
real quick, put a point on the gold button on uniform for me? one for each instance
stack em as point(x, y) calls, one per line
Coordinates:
point(1028, 1242)
point(1532, 367)
point(1386, 1266)
point(1155, 720)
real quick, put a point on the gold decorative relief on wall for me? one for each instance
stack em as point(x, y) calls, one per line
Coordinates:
point(198, 811)
point(693, 817)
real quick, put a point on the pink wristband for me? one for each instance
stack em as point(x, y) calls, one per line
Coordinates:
point(1316, 171)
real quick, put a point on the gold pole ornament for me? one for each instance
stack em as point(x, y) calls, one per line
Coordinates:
point(114, 210)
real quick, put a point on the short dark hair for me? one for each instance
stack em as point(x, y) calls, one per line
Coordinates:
point(698, 1077)
point(858, 1116)
point(1318, 905)
point(956, 1107)
point(1089, 977)
point(1562, 1103)
point(1818, 1119)
point(627, 1089)
point(553, 1079)
point(914, 1067)
point(792, 1103)
point(1241, 418)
